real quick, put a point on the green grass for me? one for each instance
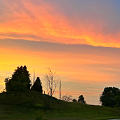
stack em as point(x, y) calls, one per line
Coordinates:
point(33, 106)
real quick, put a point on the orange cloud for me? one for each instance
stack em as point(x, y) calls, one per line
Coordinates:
point(42, 21)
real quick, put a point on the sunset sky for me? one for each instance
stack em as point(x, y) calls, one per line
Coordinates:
point(78, 39)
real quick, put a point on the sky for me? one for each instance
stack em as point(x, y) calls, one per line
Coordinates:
point(78, 39)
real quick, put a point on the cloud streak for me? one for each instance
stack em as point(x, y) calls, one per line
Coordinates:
point(43, 21)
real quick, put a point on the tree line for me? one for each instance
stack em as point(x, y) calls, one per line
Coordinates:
point(20, 82)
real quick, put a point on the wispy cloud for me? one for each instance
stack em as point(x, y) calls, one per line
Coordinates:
point(41, 19)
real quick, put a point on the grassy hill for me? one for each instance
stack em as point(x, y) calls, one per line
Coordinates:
point(33, 106)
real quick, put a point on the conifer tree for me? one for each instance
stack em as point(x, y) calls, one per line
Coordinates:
point(20, 80)
point(37, 86)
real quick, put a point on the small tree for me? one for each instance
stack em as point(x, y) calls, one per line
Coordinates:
point(37, 86)
point(51, 82)
point(20, 80)
point(81, 99)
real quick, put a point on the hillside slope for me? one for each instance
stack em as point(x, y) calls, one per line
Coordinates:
point(34, 106)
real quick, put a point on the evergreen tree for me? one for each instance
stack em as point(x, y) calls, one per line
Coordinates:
point(81, 99)
point(37, 86)
point(20, 80)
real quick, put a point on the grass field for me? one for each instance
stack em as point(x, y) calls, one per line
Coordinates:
point(34, 106)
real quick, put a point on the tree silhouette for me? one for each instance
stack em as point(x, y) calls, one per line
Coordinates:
point(37, 86)
point(81, 99)
point(110, 97)
point(20, 80)
point(74, 100)
point(51, 82)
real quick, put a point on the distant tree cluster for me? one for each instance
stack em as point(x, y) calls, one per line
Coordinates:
point(20, 82)
point(68, 98)
point(110, 97)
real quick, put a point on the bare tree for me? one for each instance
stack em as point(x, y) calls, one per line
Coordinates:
point(51, 82)
point(67, 98)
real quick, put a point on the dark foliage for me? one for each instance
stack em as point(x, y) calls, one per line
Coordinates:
point(20, 80)
point(37, 86)
point(74, 100)
point(81, 99)
point(110, 97)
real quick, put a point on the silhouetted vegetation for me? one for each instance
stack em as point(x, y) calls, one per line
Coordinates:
point(74, 100)
point(37, 86)
point(20, 80)
point(81, 99)
point(35, 105)
point(110, 97)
